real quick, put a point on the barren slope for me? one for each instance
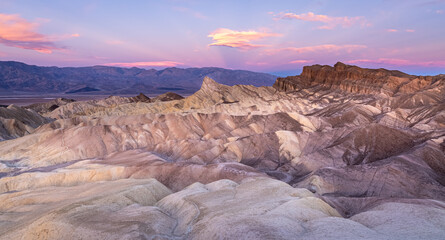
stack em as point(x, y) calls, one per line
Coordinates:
point(358, 152)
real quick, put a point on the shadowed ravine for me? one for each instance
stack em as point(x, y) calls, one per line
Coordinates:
point(334, 153)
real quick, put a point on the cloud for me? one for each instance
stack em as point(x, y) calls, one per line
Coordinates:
point(323, 48)
point(114, 42)
point(396, 30)
point(439, 11)
point(238, 39)
point(257, 63)
point(329, 22)
point(146, 64)
point(18, 32)
point(300, 61)
point(399, 62)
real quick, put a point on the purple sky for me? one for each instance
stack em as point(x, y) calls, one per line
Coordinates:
point(266, 36)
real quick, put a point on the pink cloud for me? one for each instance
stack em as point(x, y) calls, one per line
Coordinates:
point(396, 30)
point(300, 61)
point(329, 22)
point(146, 64)
point(238, 39)
point(399, 62)
point(439, 11)
point(62, 37)
point(257, 63)
point(18, 32)
point(318, 48)
point(114, 42)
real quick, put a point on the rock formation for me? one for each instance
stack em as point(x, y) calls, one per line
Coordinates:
point(140, 98)
point(168, 96)
point(50, 106)
point(16, 122)
point(357, 80)
point(335, 153)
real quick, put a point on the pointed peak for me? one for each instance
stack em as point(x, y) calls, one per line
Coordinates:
point(209, 83)
point(141, 95)
point(140, 98)
point(208, 80)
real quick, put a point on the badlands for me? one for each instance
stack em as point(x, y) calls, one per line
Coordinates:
point(337, 152)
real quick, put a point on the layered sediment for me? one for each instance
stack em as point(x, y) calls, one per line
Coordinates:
point(332, 149)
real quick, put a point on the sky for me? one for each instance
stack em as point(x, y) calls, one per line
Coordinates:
point(277, 37)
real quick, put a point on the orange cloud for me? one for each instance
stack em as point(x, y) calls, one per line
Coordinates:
point(399, 62)
point(18, 32)
point(238, 39)
point(324, 48)
point(146, 64)
point(330, 22)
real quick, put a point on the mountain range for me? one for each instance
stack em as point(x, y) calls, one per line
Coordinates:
point(20, 78)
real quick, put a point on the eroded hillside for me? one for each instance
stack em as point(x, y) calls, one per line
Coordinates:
point(332, 149)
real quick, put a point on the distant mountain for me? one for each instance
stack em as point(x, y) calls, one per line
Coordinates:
point(17, 77)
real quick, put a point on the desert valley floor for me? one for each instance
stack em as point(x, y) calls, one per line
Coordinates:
point(335, 153)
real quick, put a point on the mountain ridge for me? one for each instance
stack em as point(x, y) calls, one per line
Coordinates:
point(355, 79)
point(17, 77)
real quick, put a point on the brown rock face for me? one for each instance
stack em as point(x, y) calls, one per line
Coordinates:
point(168, 96)
point(140, 98)
point(356, 80)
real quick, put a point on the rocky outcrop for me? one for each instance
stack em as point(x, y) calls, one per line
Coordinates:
point(50, 106)
point(356, 80)
point(16, 122)
point(140, 98)
point(73, 109)
point(168, 96)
